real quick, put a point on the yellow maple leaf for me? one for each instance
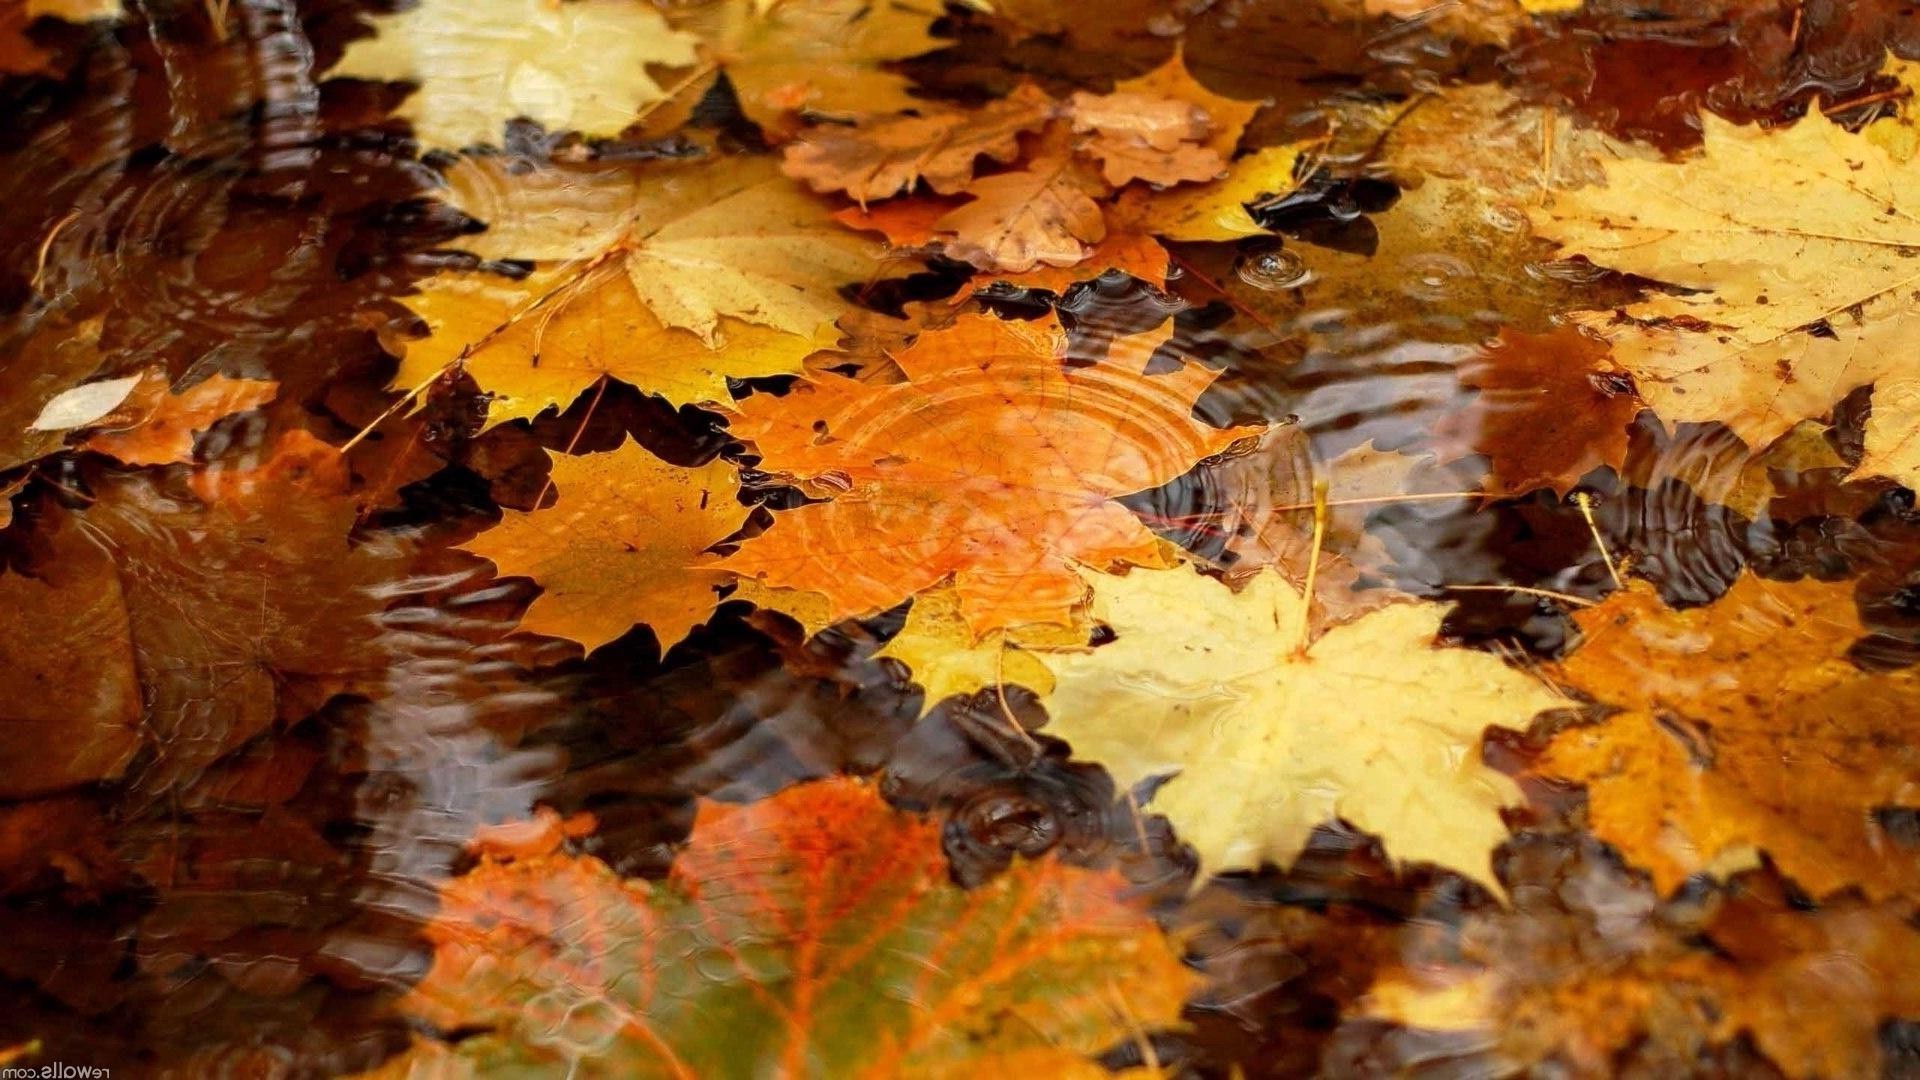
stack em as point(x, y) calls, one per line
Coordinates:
point(578, 66)
point(821, 56)
point(946, 659)
point(617, 547)
point(1373, 722)
point(1798, 244)
point(672, 278)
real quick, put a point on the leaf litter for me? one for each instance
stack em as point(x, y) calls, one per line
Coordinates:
point(830, 537)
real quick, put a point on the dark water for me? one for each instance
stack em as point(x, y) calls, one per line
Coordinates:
point(218, 845)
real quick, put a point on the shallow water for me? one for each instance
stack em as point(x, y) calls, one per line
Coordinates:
point(265, 705)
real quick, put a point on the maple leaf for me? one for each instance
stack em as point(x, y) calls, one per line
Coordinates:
point(815, 933)
point(250, 578)
point(884, 156)
point(617, 547)
point(1547, 409)
point(1043, 213)
point(821, 56)
point(1742, 725)
point(1756, 226)
point(1267, 734)
point(640, 275)
point(947, 660)
point(578, 66)
point(1163, 127)
point(995, 463)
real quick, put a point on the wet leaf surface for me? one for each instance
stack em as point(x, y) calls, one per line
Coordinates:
point(1242, 538)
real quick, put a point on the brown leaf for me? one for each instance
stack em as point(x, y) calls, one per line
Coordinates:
point(884, 156)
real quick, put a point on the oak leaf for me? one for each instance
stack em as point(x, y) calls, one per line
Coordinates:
point(1163, 127)
point(1742, 726)
point(672, 278)
point(884, 156)
point(1267, 734)
point(996, 463)
point(1796, 243)
point(815, 933)
point(578, 66)
point(1547, 409)
point(817, 56)
point(618, 545)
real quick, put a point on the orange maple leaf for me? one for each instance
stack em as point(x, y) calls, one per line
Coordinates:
point(996, 463)
point(815, 933)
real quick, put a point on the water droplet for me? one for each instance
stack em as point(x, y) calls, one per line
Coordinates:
point(1506, 217)
point(1275, 270)
point(1435, 276)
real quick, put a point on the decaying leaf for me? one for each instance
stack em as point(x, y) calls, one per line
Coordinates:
point(1797, 242)
point(811, 934)
point(619, 546)
point(578, 66)
point(1267, 734)
point(671, 278)
point(887, 155)
point(1743, 726)
point(996, 464)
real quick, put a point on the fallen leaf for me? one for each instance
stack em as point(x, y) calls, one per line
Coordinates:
point(1267, 734)
point(884, 156)
point(1547, 410)
point(618, 546)
point(996, 464)
point(162, 424)
point(1893, 432)
point(673, 279)
point(578, 66)
point(49, 361)
point(1043, 213)
point(1130, 253)
point(1756, 225)
point(1163, 127)
point(1589, 973)
point(73, 710)
point(947, 660)
point(1216, 211)
point(250, 578)
point(1742, 725)
point(811, 934)
point(816, 56)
